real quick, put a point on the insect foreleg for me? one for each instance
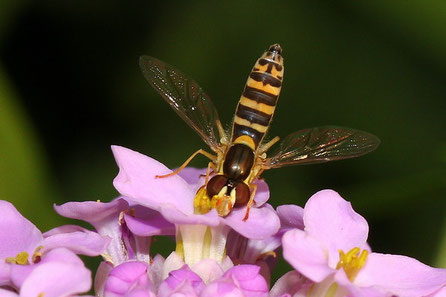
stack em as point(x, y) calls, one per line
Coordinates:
point(251, 200)
point(208, 172)
point(200, 151)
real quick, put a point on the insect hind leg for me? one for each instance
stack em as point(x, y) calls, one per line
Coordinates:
point(200, 151)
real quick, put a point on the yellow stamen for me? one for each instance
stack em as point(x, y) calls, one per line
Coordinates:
point(20, 259)
point(352, 261)
point(37, 254)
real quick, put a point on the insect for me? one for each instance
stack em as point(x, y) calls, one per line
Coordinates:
point(239, 156)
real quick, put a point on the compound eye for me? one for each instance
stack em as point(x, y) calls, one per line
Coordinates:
point(215, 185)
point(242, 194)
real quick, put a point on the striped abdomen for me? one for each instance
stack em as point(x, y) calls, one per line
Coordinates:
point(258, 101)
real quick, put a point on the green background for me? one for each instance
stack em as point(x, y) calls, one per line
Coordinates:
point(70, 87)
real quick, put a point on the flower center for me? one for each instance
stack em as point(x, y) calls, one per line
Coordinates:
point(352, 261)
point(198, 242)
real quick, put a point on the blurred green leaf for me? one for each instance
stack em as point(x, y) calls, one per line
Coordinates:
point(24, 178)
point(441, 257)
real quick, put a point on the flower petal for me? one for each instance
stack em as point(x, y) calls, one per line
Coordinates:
point(7, 293)
point(262, 192)
point(306, 255)
point(291, 283)
point(195, 177)
point(173, 215)
point(144, 221)
point(137, 181)
point(248, 278)
point(100, 277)
point(105, 219)
point(77, 239)
point(177, 278)
point(5, 274)
point(263, 222)
point(332, 220)
point(55, 279)
point(400, 275)
point(93, 212)
point(291, 217)
point(17, 234)
point(126, 277)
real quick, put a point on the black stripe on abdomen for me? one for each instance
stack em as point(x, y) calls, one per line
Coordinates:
point(260, 96)
point(266, 79)
point(252, 115)
point(240, 130)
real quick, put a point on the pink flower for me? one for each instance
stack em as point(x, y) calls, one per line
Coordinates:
point(129, 227)
point(199, 236)
point(33, 263)
point(333, 253)
point(174, 196)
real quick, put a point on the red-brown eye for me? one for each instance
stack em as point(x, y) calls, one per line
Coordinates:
point(242, 194)
point(215, 185)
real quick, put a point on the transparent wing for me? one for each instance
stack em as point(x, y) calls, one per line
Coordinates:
point(185, 96)
point(321, 144)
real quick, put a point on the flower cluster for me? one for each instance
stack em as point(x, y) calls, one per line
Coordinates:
point(325, 242)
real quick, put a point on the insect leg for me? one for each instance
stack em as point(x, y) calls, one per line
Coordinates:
point(268, 145)
point(208, 172)
point(251, 200)
point(200, 151)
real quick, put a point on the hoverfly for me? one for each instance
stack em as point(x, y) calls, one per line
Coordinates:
point(239, 157)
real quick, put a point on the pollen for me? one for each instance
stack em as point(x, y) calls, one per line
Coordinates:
point(20, 259)
point(202, 202)
point(352, 261)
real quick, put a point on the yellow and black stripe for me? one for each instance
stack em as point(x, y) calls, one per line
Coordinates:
point(259, 99)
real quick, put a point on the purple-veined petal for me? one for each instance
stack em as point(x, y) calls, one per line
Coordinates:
point(332, 221)
point(77, 239)
point(137, 181)
point(17, 234)
point(144, 221)
point(306, 255)
point(400, 275)
point(261, 223)
point(126, 277)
